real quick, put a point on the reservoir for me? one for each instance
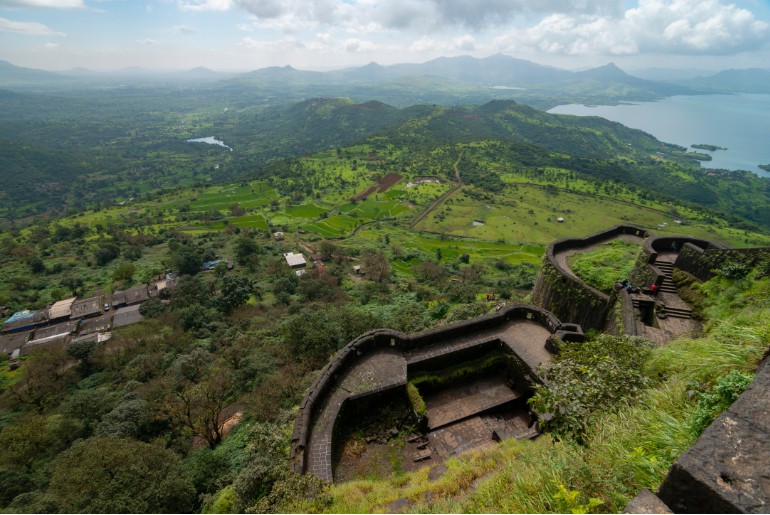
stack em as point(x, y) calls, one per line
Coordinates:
point(211, 140)
point(736, 122)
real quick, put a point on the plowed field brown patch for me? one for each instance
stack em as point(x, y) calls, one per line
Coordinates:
point(385, 183)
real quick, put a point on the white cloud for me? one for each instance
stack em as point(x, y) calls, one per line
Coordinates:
point(27, 28)
point(183, 29)
point(655, 26)
point(205, 5)
point(287, 44)
point(147, 41)
point(53, 4)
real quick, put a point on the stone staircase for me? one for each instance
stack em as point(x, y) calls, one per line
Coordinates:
point(667, 268)
point(675, 307)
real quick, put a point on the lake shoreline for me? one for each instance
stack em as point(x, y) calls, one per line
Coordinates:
point(733, 124)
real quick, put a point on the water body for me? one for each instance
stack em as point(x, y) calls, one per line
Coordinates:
point(739, 123)
point(211, 140)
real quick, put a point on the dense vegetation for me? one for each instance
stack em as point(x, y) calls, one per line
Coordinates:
point(192, 408)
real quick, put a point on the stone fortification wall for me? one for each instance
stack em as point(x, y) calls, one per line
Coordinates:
point(701, 262)
point(558, 290)
point(646, 271)
point(727, 469)
point(382, 338)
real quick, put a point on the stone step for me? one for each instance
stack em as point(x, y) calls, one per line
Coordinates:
point(678, 312)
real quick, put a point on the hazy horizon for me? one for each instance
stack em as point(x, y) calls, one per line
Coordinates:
point(323, 35)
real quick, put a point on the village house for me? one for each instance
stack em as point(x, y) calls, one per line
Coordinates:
point(295, 260)
point(61, 309)
point(86, 307)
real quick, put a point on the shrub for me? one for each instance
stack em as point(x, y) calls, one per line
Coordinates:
point(588, 378)
point(718, 398)
point(733, 270)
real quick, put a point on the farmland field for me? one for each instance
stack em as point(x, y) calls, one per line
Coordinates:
point(528, 213)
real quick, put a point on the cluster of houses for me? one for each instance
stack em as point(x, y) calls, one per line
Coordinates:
point(76, 320)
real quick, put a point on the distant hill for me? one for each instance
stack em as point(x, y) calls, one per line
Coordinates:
point(497, 70)
point(751, 80)
point(11, 74)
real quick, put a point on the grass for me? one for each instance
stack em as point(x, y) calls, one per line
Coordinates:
point(529, 212)
point(605, 264)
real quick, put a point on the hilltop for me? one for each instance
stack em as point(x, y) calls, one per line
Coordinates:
point(408, 218)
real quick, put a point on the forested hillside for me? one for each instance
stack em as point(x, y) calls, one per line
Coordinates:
point(415, 218)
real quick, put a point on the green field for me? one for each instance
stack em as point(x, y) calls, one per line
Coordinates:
point(528, 213)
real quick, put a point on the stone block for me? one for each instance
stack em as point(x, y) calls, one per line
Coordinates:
point(726, 471)
point(646, 502)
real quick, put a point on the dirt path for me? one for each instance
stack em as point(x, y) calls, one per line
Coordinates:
point(442, 198)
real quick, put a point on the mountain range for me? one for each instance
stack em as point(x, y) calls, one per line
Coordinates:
point(443, 80)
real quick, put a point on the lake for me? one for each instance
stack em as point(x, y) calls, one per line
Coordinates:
point(211, 140)
point(739, 123)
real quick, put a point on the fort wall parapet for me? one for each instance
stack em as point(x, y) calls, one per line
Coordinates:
point(325, 386)
point(560, 291)
point(701, 262)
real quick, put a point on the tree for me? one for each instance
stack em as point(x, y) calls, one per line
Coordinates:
point(186, 260)
point(124, 272)
point(234, 291)
point(43, 378)
point(36, 265)
point(151, 308)
point(106, 253)
point(376, 266)
point(127, 419)
point(197, 400)
point(247, 250)
point(116, 475)
point(188, 291)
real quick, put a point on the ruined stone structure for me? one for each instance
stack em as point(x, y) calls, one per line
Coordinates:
point(558, 290)
point(727, 470)
point(378, 362)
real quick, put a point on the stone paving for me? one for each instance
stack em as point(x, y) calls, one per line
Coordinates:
point(526, 338)
point(460, 401)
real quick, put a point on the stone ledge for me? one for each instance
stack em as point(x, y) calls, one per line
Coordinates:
point(646, 502)
point(728, 468)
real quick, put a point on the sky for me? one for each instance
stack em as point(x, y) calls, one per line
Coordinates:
point(241, 35)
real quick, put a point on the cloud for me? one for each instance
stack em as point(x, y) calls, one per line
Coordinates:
point(147, 41)
point(27, 28)
point(53, 4)
point(481, 14)
point(205, 5)
point(183, 29)
point(425, 44)
point(687, 27)
point(287, 44)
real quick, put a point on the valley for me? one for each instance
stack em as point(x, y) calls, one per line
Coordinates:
point(416, 220)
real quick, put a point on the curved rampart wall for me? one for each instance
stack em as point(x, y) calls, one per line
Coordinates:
point(559, 291)
point(700, 262)
point(386, 337)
